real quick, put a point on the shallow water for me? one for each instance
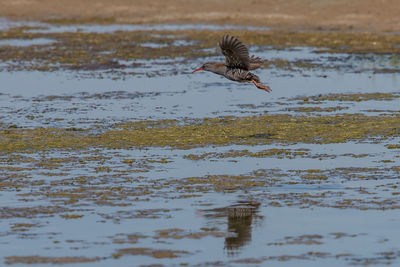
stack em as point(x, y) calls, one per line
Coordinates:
point(23, 42)
point(62, 98)
point(51, 28)
point(319, 204)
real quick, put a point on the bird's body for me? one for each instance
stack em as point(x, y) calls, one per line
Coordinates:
point(238, 63)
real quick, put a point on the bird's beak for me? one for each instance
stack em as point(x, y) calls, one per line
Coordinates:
point(199, 69)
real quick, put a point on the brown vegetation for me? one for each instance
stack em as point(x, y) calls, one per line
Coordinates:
point(367, 15)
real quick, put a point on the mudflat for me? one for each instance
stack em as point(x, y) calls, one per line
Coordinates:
point(359, 15)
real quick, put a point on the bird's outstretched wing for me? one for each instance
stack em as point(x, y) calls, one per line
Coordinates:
point(236, 53)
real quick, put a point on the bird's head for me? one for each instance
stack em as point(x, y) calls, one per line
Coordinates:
point(209, 66)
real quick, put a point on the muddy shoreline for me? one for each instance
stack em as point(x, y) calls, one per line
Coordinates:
point(358, 15)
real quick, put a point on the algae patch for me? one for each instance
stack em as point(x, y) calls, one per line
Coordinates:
point(348, 97)
point(265, 129)
point(47, 260)
point(176, 233)
point(279, 153)
point(154, 253)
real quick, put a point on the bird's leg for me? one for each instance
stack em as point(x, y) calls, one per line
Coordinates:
point(261, 86)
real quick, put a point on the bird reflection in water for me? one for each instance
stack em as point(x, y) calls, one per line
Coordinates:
point(240, 216)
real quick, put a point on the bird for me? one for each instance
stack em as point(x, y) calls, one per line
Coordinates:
point(237, 64)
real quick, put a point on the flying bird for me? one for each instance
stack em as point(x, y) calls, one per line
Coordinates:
point(237, 64)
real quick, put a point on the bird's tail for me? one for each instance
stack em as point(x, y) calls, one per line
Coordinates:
point(255, 63)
